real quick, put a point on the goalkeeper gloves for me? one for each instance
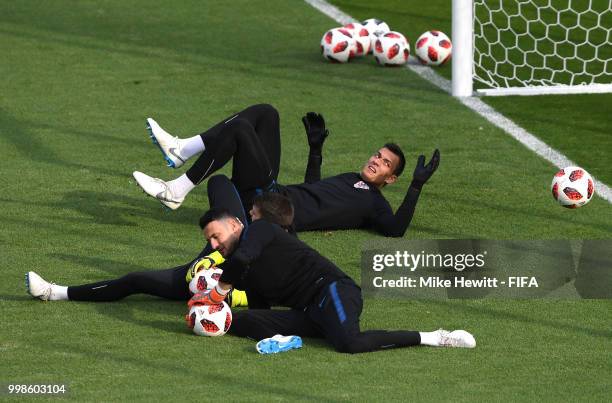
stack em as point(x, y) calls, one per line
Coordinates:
point(423, 172)
point(206, 262)
point(316, 131)
point(208, 297)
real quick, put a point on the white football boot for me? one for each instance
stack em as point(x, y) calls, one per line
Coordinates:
point(169, 146)
point(37, 286)
point(456, 338)
point(158, 189)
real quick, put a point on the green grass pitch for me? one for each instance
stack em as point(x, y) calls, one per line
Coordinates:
point(78, 80)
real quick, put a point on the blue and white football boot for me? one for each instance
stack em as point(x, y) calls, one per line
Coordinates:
point(278, 344)
point(169, 146)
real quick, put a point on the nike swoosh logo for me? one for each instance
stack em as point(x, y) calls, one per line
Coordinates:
point(161, 196)
point(171, 151)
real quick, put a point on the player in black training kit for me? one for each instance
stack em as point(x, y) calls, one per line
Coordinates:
point(277, 269)
point(172, 283)
point(252, 138)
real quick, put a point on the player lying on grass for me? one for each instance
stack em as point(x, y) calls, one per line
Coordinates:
point(277, 269)
point(172, 283)
point(252, 138)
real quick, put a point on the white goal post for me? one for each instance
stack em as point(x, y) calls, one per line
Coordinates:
point(531, 47)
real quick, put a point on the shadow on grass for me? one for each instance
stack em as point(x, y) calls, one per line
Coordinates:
point(113, 209)
point(528, 214)
point(146, 363)
point(113, 267)
point(30, 147)
point(135, 311)
point(13, 297)
point(511, 316)
point(110, 208)
point(87, 235)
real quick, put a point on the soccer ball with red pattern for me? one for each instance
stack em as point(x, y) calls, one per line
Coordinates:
point(433, 48)
point(391, 49)
point(338, 45)
point(375, 26)
point(362, 38)
point(572, 187)
point(210, 320)
point(205, 279)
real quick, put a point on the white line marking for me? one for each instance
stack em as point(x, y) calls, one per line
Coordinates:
point(477, 105)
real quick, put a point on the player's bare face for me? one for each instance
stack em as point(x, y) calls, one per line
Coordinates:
point(223, 235)
point(378, 171)
point(255, 213)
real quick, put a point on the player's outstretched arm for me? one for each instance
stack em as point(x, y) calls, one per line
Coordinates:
point(395, 225)
point(213, 296)
point(314, 124)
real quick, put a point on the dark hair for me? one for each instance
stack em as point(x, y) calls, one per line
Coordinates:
point(275, 208)
point(395, 149)
point(214, 214)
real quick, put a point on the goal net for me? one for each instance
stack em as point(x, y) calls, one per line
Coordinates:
point(528, 47)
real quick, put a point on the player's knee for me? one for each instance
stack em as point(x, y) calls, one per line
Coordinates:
point(240, 125)
point(133, 278)
point(217, 180)
point(265, 112)
point(266, 109)
point(349, 346)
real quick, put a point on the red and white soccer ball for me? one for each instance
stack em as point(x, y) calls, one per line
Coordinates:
point(376, 28)
point(205, 279)
point(433, 48)
point(210, 320)
point(391, 49)
point(362, 38)
point(337, 45)
point(573, 187)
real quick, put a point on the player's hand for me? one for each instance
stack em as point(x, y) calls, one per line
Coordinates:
point(314, 124)
point(212, 260)
point(423, 172)
point(207, 297)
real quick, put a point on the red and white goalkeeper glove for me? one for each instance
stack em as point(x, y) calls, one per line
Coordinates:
point(208, 297)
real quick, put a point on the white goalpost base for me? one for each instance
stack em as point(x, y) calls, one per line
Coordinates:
point(531, 47)
point(547, 90)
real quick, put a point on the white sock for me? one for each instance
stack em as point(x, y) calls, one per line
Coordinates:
point(58, 293)
point(180, 186)
point(191, 146)
point(430, 338)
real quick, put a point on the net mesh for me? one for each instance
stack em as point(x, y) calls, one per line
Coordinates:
point(526, 43)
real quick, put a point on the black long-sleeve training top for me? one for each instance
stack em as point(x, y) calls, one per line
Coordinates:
point(345, 201)
point(277, 269)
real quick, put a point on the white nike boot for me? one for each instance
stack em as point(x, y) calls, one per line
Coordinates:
point(158, 189)
point(40, 288)
point(456, 338)
point(169, 146)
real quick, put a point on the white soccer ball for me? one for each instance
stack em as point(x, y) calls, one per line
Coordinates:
point(361, 35)
point(391, 49)
point(572, 187)
point(337, 45)
point(376, 28)
point(210, 320)
point(205, 279)
point(433, 48)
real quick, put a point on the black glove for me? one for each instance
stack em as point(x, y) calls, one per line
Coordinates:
point(315, 130)
point(423, 172)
